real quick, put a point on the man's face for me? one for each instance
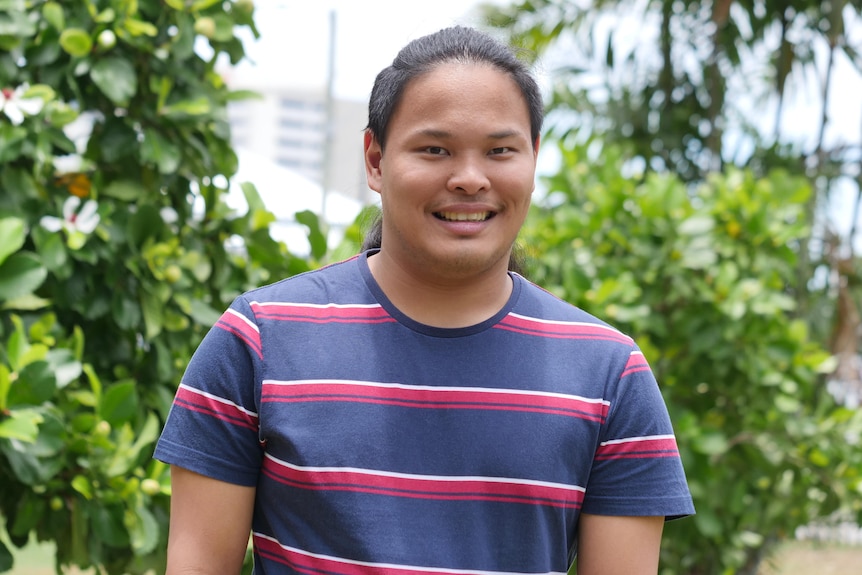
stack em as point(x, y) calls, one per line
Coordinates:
point(457, 173)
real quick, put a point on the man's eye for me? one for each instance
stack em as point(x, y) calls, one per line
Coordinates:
point(500, 150)
point(435, 150)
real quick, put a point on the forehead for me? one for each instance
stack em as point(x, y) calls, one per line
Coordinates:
point(462, 91)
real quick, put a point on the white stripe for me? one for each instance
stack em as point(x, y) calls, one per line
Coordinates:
point(217, 398)
point(633, 439)
point(318, 305)
point(561, 322)
point(392, 565)
point(243, 318)
point(636, 352)
point(440, 478)
point(436, 388)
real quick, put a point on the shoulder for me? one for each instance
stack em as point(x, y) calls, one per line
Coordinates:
point(539, 304)
point(338, 281)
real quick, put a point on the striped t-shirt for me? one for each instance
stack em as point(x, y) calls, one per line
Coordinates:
point(379, 444)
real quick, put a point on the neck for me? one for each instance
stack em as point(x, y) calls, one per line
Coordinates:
point(442, 302)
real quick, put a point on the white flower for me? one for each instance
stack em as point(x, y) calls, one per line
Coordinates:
point(80, 129)
point(83, 221)
point(15, 106)
point(68, 164)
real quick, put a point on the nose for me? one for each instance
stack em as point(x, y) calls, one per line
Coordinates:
point(469, 176)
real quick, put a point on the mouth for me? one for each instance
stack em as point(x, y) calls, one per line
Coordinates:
point(464, 217)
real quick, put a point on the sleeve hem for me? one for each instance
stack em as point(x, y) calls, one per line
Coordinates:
point(204, 464)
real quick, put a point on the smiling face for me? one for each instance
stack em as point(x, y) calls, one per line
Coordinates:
point(457, 173)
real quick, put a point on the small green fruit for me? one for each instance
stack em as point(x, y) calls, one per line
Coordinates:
point(150, 487)
point(205, 26)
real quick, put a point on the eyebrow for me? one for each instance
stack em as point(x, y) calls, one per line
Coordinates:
point(442, 134)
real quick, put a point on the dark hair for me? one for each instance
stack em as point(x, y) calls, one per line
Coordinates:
point(456, 44)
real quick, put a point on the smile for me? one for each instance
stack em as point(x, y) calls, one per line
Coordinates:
point(463, 217)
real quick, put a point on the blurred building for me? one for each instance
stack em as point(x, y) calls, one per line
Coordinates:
point(289, 125)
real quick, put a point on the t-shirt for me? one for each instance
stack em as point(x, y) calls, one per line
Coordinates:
point(380, 444)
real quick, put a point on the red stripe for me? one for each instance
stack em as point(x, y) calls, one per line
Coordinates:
point(435, 399)
point(321, 314)
point(231, 323)
point(224, 411)
point(646, 448)
point(422, 488)
point(561, 330)
point(311, 565)
point(637, 363)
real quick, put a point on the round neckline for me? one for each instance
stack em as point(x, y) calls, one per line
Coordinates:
point(429, 330)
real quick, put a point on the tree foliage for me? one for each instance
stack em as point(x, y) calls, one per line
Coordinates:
point(701, 280)
point(117, 252)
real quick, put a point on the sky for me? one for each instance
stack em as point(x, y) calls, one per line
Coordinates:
point(295, 39)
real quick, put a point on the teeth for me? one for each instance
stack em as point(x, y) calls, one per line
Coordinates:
point(460, 217)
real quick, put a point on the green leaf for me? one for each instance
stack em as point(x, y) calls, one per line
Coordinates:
point(21, 424)
point(52, 12)
point(12, 236)
point(6, 559)
point(5, 386)
point(143, 529)
point(27, 462)
point(107, 524)
point(153, 315)
point(76, 42)
point(707, 523)
point(17, 179)
point(140, 28)
point(239, 95)
point(83, 486)
point(203, 314)
point(28, 514)
point(28, 302)
point(20, 275)
point(252, 197)
point(159, 150)
point(315, 236)
point(64, 366)
point(145, 223)
point(200, 5)
point(710, 443)
point(116, 78)
point(36, 384)
point(223, 27)
point(195, 107)
point(119, 403)
point(125, 190)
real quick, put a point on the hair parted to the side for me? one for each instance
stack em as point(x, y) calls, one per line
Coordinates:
point(455, 44)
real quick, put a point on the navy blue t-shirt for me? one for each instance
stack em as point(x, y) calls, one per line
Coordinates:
point(379, 444)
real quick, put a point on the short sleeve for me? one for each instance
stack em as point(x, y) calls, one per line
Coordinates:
point(212, 427)
point(637, 469)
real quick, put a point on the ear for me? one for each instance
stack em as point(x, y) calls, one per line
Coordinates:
point(536, 147)
point(373, 158)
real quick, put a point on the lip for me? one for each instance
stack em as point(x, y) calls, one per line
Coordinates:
point(465, 220)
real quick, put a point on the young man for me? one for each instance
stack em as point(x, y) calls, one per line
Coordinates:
point(419, 408)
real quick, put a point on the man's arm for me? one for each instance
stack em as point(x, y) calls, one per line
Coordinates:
point(209, 525)
point(609, 545)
